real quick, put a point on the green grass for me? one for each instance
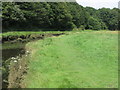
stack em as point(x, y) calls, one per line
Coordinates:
point(19, 33)
point(79, 60)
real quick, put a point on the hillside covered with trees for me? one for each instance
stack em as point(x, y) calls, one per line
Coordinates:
point(57, 16)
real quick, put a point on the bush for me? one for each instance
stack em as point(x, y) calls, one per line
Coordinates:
point(82, 27)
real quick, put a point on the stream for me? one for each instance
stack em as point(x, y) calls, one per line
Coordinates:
point(10, 51)
point(13, 67)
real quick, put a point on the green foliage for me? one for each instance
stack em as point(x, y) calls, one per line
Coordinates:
point(57, 16)
point(109, 17)
point(92, 11)
point(12, 11)
point(94, 24)
point(82, 27)
point(62, 19)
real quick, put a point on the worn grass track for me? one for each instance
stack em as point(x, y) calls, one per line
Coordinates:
point(78, 60)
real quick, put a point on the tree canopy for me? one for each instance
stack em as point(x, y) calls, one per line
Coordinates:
point(57, 16)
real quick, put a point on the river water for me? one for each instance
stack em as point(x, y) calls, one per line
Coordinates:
point(10, 51)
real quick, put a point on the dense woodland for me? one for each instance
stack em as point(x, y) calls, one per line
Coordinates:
point(57, 16)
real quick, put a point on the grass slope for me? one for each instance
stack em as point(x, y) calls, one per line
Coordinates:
point(78, 60)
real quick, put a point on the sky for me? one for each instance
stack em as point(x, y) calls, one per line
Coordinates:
point(99, 3)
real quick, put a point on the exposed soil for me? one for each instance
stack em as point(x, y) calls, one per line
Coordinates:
point(8, 56)
point(16, 65)
point(27, 38)
point(17, 71)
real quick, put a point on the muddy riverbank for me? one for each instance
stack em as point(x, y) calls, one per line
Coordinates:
point(27, 38)
point(10, 53)
point(14, 56)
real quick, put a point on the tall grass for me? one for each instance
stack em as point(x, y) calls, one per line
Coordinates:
point(78, 60)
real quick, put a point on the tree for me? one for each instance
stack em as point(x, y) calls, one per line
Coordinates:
point(58, 16)
point(109, 17)
point(11, 14)
point(61, 16)
point(78, 13)
point(94, 24)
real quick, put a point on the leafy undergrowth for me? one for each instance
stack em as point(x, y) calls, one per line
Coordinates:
point(78, 60)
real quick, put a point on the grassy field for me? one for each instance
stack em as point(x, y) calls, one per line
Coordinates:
point(78, 60)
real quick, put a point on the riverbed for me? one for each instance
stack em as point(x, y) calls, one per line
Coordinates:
point(9, 53)
point(14, 63)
